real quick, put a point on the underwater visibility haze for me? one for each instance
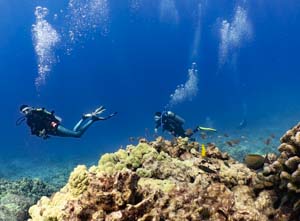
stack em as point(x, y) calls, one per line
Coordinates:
point(230, 65)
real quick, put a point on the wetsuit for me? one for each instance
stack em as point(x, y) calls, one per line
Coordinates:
point(43, 123)
point(172, 123)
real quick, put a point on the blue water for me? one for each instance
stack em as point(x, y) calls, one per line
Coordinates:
point(133, 61)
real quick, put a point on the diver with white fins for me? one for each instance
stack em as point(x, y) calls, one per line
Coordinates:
point(244, 123)
point(173, 123)
point(45, 124)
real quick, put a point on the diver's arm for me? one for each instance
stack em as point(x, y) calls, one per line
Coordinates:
point(36, 131)
point(32, 126)
point(158, 124)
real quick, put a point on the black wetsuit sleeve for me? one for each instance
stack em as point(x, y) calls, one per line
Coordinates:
point(158, 124)
point(33, 127)
point(35, 122)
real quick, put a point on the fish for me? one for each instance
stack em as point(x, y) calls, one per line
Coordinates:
point(206, 169)
point(267, 141)
point(273, 136)
point(229, 143)
point(189, 132)
point(233, 142)
point(236, 141)
point(203, 150)
point(203, 135)
point(226, 135)
point(226, 164)
point(255, 161)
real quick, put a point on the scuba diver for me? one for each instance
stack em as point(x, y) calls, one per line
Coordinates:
point(243, 124)
point(45, 124)
point(174, 125)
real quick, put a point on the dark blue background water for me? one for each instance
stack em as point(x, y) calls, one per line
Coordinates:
point(138, 64)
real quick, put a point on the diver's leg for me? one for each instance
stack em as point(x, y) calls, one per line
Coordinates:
point(79, 123)
point(91, 120)
point(83, 128)
point(64, 132)
point(93, 116)
point(197, 129)
point(180, 132)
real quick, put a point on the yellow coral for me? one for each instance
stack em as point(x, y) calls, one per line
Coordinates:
point(121, 154)
point(144, 172)
point(50, 210)
point(78, 180)
point(132, 157)
point(156, 184)
point(107, 158)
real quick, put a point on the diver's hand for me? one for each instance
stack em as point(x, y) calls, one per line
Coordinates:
point(43, 134)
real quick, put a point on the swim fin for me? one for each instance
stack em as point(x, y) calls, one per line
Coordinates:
point(98, 111)
point(207, 129)
point(104, 118)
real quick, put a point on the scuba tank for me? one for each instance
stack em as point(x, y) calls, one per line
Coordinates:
point(50, 115)
point(177, 118)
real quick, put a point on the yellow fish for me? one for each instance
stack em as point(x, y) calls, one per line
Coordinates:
point(203, 151)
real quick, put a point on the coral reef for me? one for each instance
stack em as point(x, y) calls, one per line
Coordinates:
point(17, 196)
point(283, 175)
point(161, 180)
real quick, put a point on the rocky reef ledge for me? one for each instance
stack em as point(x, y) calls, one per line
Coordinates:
point(163, 180)
point(17, 196)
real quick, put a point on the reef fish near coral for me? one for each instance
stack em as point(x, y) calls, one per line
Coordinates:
point(254, 161)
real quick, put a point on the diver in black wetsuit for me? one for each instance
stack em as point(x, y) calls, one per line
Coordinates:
point(45, 124)
point(174, 124)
